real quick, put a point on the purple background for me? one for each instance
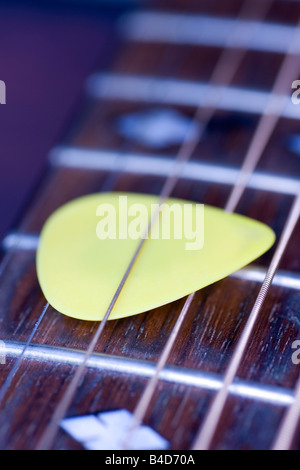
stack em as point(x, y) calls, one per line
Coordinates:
point(45, 57)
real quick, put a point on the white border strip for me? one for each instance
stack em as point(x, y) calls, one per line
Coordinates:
point(182, 376)
point(168, 91)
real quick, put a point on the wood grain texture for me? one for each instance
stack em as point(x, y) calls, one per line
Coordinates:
point(218, 313)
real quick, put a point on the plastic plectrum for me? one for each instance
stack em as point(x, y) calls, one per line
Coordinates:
point(86, 246)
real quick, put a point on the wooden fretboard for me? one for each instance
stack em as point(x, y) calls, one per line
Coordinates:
point(165, 61)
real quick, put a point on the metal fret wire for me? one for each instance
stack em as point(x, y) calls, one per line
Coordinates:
point(108, 184)
point(202, 29)
point(261, 137)
point(145, 400)
point(207, 431)
point(268, 122)
point(209, 427)
point(204, 114)
point(15, 368)
point(286, 433)
point(9, 378)
point(147, 395)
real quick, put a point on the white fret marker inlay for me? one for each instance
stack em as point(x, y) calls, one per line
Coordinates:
point(156, 128)
point(108, 431)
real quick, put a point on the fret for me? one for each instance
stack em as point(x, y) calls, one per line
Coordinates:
point(123, 390)
point(180, 92)
point(206, 433)
point(202, 30)
point(261, 137)
point(20, 241)
point(286, 434)
point(145, 164)
point(24, 241)
point(141, 368)
point(119, 391)
point(267, 124)
point(95, 157)
point(257, 273)
point(281, 11)
point(213, 308)
point(90, 181)
point(11, 375)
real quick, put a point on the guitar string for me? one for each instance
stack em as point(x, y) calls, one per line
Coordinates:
point(148, 393)
point(185, 152)
point(258, 144)
point(108, 184)
point(204, 438)
point(8, 381)
point(288, 427)
point(262, 135)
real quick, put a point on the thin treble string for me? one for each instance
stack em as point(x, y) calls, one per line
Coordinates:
point(185, 152)
point(222, 75)
point(287, 430)
point(269, 120)
point(9, 378)
point(8, 381)
point(207, 431)
point(148, 393)
point(3, 266)
point(107, 186)
point(290, 68)
point(234, 59)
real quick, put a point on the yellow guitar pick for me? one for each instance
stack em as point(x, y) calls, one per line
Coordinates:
point(86, 246)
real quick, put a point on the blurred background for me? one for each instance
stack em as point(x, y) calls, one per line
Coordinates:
point(47, 49)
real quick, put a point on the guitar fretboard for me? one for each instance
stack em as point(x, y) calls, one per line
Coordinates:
point(161, 73)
